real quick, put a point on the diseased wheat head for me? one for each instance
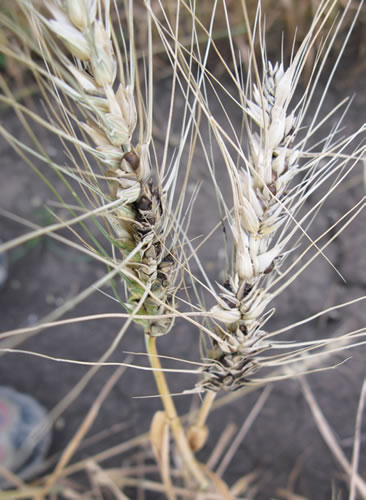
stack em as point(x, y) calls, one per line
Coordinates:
point(273, 169)
point(271, 177)
point(103, 87)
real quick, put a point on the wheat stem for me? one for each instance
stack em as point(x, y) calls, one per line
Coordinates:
point(205, 408)
point(171, 413)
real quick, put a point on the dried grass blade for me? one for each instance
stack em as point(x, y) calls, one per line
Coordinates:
point(244, 430)
point(357, 442)
point(329, 437)
point(83, 429)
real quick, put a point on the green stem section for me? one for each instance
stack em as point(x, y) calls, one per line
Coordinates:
point(171, 413)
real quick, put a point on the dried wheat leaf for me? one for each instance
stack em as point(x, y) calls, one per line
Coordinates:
point(157, 431)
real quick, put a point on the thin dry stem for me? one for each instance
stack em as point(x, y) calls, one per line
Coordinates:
point(81, 432)
point(357, 442)
point(330, 438)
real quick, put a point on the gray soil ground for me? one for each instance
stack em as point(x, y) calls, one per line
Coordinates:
point(283, 445)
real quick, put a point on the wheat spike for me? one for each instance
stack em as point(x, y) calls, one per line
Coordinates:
point(141, 220)
point(267, 193)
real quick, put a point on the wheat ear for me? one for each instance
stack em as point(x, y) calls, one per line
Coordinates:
point(140, 222)
point(267, 194)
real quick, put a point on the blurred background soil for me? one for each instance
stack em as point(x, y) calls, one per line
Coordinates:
point(283, 446)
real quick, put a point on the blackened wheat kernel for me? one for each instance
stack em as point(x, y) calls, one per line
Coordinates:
point(144, 203)
point(132, 159)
